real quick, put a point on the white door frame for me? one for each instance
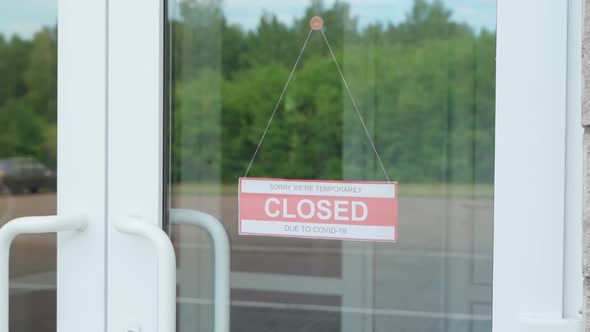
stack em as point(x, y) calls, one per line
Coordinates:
point(135, 158)
point(81, 174)
point(110, 142)
point(538, 172)
point(573, 276)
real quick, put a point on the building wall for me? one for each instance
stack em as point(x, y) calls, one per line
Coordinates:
point(586, 124)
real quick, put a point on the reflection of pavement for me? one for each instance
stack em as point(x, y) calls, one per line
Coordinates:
point(32, 254)
point(6, 203)
point(436, 278)
point(44, 281)
point(32, 267)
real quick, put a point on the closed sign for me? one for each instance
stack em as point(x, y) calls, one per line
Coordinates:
point(345, 210)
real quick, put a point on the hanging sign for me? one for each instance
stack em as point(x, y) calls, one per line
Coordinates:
point(343, 210)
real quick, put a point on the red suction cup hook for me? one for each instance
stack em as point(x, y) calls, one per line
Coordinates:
point(316, 23)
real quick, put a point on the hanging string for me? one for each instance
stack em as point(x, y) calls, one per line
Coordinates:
point(317, 24)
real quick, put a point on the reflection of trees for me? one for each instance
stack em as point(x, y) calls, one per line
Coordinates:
point(28, 96)
point(426, 85)
point(196, 74)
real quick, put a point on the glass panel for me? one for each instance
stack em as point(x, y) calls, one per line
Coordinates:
point(28, 152)
point(422, 75)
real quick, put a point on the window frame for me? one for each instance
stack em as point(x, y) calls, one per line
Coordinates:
point(538, 157)
point(81, 172)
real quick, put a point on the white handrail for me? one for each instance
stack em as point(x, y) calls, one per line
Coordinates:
point(166, 314)
point(221, 247)
point(27, 225)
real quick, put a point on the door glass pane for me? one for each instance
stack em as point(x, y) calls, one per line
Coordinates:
point(399, 90)
point(28, 152)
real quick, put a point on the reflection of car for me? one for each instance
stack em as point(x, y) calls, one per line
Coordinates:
point(26, 175)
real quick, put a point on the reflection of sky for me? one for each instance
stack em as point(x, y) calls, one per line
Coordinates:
point(477, 13)
point(24, 17)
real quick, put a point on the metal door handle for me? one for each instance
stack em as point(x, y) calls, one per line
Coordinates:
point(27, 225)
point(166, 314)
point(221, 255)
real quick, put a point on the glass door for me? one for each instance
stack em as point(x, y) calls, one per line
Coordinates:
point(52, 166)
point(28, 153)
point(400, 92)
point(334, 166)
